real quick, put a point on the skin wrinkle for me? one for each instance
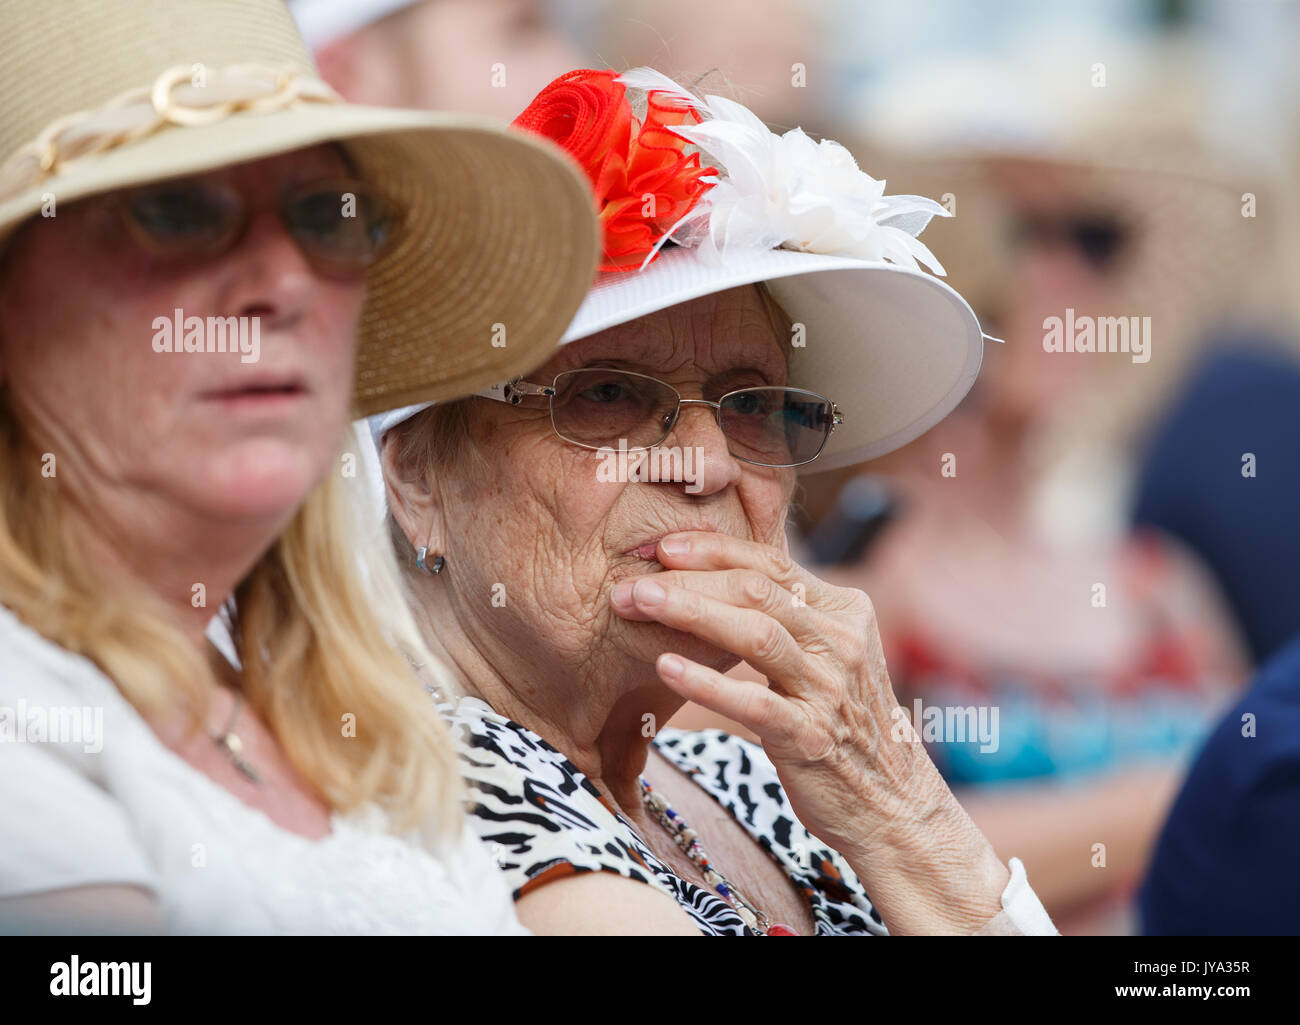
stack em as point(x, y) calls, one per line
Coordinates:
point(562, 600)
point(558, 658)
point(602, 729)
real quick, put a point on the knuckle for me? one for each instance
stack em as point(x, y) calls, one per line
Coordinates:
point(761, 713)
point(688, 603)
point(782, 564)
point(755, 588)
point(769, 641)
point(860, 602)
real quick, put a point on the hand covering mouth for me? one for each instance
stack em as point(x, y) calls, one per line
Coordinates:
point(648, 549)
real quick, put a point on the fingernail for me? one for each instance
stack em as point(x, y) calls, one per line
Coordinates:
point(675, 546)
point(622, 593)
point(649, 593)
point(670, 666)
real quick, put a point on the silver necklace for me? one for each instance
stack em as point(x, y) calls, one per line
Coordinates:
point(229, 743)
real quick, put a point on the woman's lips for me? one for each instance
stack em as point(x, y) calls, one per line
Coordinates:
point(648, 549)
point(267, 396)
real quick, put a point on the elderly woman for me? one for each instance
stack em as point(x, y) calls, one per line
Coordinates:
point(606, 539)
point(157, 469)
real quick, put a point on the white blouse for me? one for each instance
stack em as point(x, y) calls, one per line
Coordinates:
point(90, 796)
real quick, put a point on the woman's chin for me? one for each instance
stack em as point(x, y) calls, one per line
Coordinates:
point(257, 480)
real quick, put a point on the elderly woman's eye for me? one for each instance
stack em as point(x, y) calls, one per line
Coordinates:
point(606, 391)
point(750, 404)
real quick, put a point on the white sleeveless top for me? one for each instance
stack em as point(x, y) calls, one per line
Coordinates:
point(90, 796)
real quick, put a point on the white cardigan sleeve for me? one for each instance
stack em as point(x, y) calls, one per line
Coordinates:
point(1022, 912)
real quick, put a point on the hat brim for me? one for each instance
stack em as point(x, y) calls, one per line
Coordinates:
point(895, 348)
point(497, 252)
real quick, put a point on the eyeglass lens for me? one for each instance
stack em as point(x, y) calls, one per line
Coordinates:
point(771, 426)
point(340, 226)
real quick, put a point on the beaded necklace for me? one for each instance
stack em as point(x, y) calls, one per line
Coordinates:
point(688, 840)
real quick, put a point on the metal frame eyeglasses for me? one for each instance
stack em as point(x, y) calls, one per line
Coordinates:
point(758, 428)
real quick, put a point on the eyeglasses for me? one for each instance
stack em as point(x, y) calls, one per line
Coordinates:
point(600, 408)
point(340, 225)
point(1098, 238)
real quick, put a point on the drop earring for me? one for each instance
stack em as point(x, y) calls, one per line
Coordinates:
point(438, 561)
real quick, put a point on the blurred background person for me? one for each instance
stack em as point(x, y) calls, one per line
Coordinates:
point(479, 56)
point(1225, 861)
point(776, 62)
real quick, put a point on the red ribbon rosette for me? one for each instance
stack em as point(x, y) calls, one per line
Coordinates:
point(644, 184)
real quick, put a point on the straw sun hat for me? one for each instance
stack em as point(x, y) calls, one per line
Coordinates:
point(100, 96)
point(1147, 147)
point(894, 347)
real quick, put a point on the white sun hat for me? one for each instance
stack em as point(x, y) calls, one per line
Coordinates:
point(894, 347)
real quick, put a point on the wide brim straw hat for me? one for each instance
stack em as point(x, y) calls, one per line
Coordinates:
point(499, 239)
point(893, 346)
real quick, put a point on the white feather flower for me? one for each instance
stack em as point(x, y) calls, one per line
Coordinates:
point(787, 191)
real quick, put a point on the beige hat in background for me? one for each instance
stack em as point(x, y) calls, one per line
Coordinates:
point(1124, 126)
point(500, 238)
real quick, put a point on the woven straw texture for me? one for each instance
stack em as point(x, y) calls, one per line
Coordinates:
point(500, 227)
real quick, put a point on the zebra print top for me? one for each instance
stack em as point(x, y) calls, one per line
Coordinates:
point(542, 820)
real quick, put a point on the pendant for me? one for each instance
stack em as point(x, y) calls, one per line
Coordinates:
point(781, 930)
point(232, 745)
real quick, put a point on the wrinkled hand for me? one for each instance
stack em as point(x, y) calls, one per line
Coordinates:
point(828, 720)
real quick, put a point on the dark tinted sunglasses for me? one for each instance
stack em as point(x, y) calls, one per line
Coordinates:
point(341, 225)
point(1098, 238)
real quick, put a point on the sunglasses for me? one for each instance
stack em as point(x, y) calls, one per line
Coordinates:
point(341, 225)
point(1097, 238)
point(600, 408)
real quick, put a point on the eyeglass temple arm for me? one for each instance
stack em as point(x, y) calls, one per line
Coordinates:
point(514, 391)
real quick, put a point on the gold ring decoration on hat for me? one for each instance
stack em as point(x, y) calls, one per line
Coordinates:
point(500, 237)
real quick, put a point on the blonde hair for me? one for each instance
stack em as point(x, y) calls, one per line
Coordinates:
point(304, 623)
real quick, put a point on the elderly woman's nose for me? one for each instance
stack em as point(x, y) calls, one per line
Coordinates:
point(267, 275)
point(709, 467)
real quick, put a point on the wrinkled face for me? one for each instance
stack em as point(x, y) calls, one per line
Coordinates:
point(209, 434)
point(546, 525)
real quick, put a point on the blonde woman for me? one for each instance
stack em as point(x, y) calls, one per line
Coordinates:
point(208, 184)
